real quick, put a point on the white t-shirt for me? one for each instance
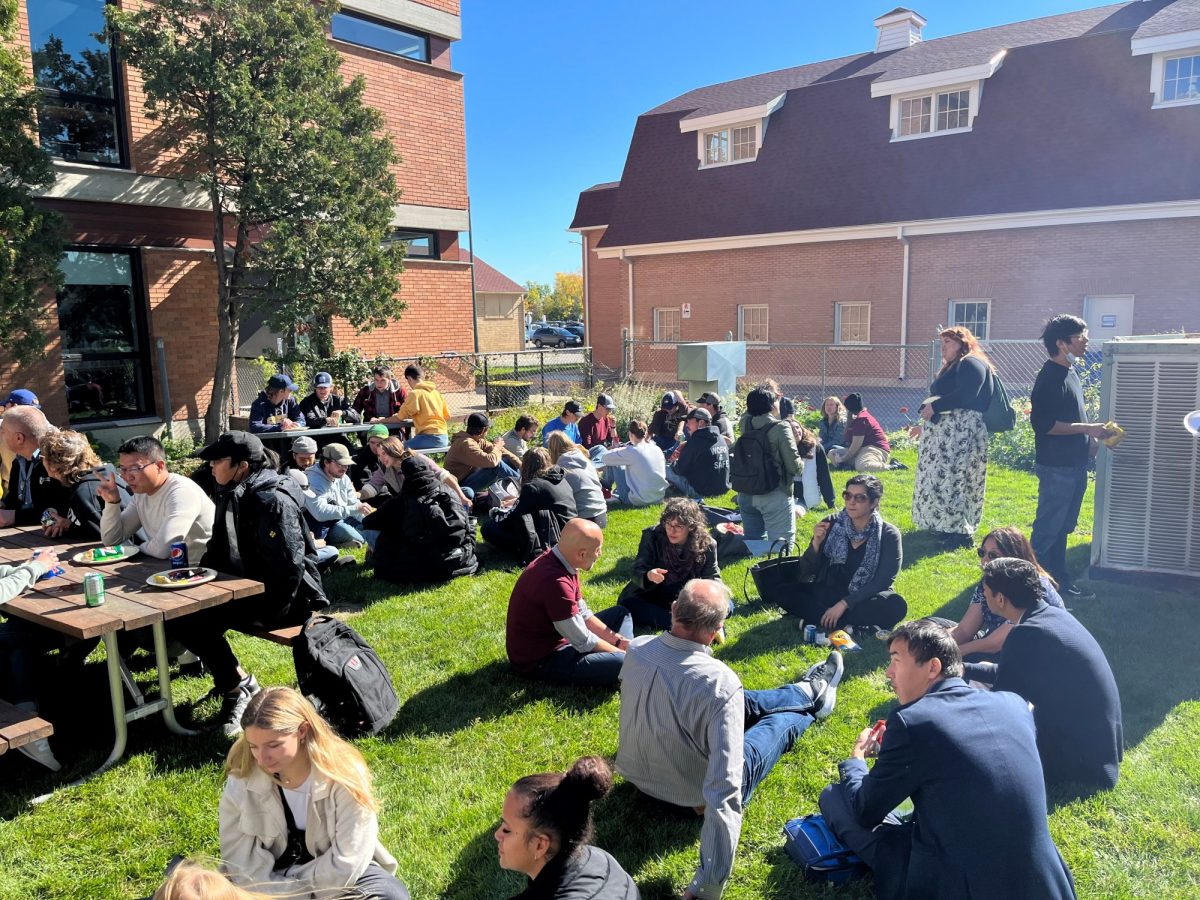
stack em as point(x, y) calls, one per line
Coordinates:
point(297, 800)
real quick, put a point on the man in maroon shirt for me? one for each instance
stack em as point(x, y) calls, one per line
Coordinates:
point(598, 428)
point(551, 635)
point(867, 447)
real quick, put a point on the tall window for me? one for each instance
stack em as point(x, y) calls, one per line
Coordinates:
point(75, 69)
point(931, 113)
point(853, 323)
point(725, 145)
point(973, 314)
point(1181, 78)
point(752, 324)
point(666, 324)
point(101, 315)
point(355, 29)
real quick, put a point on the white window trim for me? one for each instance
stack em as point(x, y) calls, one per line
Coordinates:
point(975, 88)
point(656, 311)
point(742, 322)
point(759, 130)
point(1158, 71)
point(984, 300)
point(837, 324)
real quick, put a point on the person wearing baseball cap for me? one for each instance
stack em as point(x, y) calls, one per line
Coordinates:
point(324, 408)
point(712, 403)
point(368, 464)
point(275, 409)
point(667, 421)
point(259, 532)
point(22, 397)
point(301, 455)
point(475, 461)
point(598, 428)
point(567, 421)
point(702, 467)
point(333, 505)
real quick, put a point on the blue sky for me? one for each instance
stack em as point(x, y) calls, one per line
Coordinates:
point(553, 88)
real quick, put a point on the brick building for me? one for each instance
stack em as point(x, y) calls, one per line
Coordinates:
point(139, 269)
point(499, 308)
point(989, 179)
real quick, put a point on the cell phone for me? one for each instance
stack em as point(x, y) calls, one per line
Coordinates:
point(877, 730)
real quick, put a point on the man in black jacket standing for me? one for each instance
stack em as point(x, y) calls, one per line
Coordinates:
point(701, 468)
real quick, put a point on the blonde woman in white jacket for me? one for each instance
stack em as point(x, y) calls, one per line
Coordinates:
point(298, 815)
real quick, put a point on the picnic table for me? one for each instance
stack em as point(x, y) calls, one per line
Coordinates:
point(404, 426)
point(130, 603)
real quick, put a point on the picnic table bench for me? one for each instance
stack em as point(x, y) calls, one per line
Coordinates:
point(404, 426)
point(18, 727)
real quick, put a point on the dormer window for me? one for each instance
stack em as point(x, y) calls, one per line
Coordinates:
point(945, 111)
point(1181, 78)
point(736, 144)
point(936, 103)
point(1174, 66)
point(732, 136)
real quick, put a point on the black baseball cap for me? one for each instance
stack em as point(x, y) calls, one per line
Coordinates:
point(239, 446)
point(702, 414)
point(572, 406)
point(478, 421)
point(709, 398)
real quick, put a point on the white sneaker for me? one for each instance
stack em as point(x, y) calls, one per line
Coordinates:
point(39, 751)
point(820, 684)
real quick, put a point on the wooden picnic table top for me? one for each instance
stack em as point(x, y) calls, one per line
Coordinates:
point(328, 430)
point(58, 603)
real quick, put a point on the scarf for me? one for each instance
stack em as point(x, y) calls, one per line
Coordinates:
point(837, 545)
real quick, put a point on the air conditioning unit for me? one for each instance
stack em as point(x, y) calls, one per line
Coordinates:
point(1148, 489)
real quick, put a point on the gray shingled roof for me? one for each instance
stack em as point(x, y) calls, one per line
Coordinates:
point(1182, 15)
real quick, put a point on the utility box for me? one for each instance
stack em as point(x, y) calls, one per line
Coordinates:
point(713, 366)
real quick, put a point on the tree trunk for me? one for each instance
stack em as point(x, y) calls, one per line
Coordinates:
point(216, 419)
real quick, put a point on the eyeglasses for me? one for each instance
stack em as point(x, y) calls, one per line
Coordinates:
point(855, 497)
point(990, 554)
point(674, 524)
point(126, 471)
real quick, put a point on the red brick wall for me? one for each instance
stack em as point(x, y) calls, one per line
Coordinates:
point(44, 376)
point(608, 304)
point(450, 6)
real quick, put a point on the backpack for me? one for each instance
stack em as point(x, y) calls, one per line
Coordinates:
point(752, 468)
point(343, 677)
point(999, 416)
point(813, 846)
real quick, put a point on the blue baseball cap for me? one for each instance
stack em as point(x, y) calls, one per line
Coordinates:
point(22, 397)
point(279, 382)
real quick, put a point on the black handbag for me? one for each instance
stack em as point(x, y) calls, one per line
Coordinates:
point(777, 575)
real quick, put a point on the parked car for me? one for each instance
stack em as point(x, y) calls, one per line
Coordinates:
point(575, 328)
point(549, 336)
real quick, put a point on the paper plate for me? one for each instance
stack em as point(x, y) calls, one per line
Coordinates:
point(176, 579)
point(127, 550)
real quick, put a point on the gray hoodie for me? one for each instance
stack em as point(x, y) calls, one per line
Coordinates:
point(585, 483)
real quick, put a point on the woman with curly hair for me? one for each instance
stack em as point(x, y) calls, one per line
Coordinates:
point(545, 827)
point(671, 553)
point(952, 460)
point(70, 460)
point(298, 815)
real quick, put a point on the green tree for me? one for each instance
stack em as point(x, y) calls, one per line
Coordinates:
point(568, 295)
point(31, 239)
point(296, 167)
point(538, 297)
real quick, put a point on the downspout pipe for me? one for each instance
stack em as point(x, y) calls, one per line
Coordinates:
point(474, 300)
point(904, 242)
point(629, 262)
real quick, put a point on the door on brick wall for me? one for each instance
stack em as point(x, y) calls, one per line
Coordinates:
point(1108, 317)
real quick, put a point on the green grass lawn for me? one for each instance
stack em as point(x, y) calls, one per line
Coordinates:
point(467, 729)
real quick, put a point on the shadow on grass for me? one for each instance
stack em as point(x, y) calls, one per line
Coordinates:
point(786, 879)
point(476, 874)
point(490, 692)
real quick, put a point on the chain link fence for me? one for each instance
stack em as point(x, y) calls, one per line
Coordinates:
point(470, 382)
point(892, 378)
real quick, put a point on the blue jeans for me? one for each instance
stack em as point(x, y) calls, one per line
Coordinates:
point(427, 441)
point(482, 479)
point(651, 606)
point(774, 720)
point(768, 516)
point(1060, 494)
point(680, 483)
point(351, 529)
point(568, 666)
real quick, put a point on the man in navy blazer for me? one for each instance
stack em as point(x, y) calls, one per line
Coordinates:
point(1055, 664)
point(969, 761)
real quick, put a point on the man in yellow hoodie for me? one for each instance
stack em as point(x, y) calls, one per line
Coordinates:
point(428, 410)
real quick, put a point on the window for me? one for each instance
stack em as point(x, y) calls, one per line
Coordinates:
point(933, 113)
point(972, 314)
point(1181, 78)
point(853, 323)
point(79, 118)
point(101, 314)
point(417, 244)
point(497, 308)
point(752, 324)
point(738, 143)
point(666, 324)
point(355, 29)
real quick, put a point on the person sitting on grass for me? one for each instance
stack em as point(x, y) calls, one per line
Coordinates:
point(191, 880)
point(388, 480)
point(367, 460)
point(550, 633)
point(532, 521)
point(832, 427)
point(700, 466)
point(712, 404)
point(298, 815)
point(259, 532)
point(566, 421)
point(324, 408)
point(475, 461)
point(302, 455)
point(667, 421)
point(428, 410)
point(981, 633)
point(671, 553)
point(31, 491)
point(814, 484)
point(581, 476)
point(70, 460)
point(1055, 664)
point(516, 439)
point(867, 448)
point(545, 832)
point(692, 737)
point(379, 398)
point(334, 509)
point(639, 469)
point(425, 531)
point(275, 409)
point(853, 559)
point(598, 428)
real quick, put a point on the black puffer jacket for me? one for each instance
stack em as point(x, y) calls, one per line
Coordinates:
point(534, 523)
point(424, 533)
point(270, 543)
point(587, 874)
point(86, 506)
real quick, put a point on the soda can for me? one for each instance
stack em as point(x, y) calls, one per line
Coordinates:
point(810, 634)
point(93, 588)
point(179, 557)
point(48, 516)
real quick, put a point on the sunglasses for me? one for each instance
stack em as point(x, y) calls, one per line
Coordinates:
point(990, 554)
point(855, 497)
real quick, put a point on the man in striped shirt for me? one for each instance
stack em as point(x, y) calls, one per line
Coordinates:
point(693, 737)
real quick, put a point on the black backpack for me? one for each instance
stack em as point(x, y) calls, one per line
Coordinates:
point(752, 468)
point(343, 677)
